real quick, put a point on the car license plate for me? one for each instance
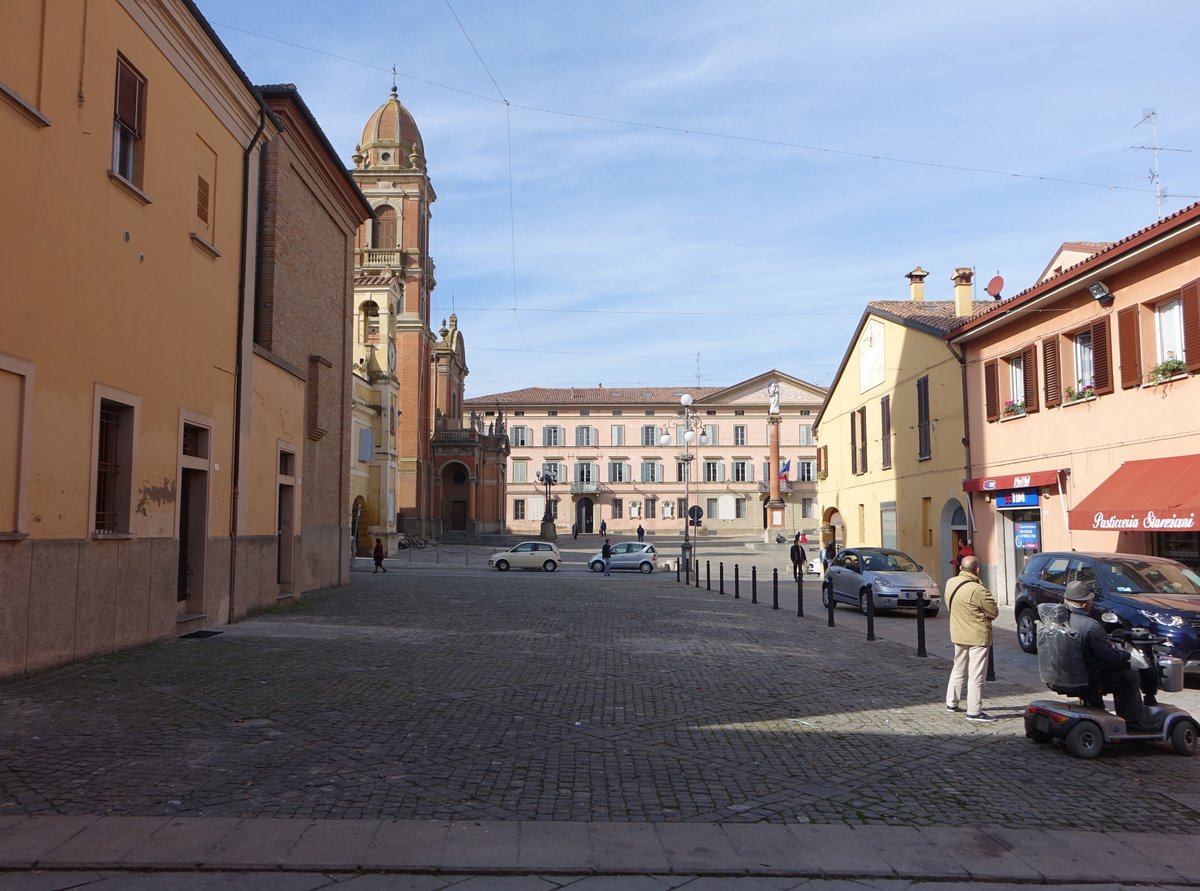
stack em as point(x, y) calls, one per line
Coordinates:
point(1041, 724)
point(908, 597)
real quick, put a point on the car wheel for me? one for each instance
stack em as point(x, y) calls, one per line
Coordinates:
point(502, 565)
point(1027, 630)
point(827, 596)
point(1183, 737)
point(862, 600)
point(646, 568)
point(1085, 740)
point(549, 566)
point(598, 566)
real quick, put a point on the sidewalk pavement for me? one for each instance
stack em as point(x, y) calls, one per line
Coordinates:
point(528, 730)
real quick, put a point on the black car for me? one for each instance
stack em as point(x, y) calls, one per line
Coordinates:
point(1143, 592)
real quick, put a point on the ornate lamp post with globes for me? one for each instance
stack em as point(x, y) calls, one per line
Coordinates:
point(692, 427)
point(548, 477)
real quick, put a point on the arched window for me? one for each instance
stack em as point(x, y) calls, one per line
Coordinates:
point(369, 314)
point(383, 235)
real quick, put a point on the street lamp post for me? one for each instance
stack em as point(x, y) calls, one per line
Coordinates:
point(692, 425)
point(548, 477)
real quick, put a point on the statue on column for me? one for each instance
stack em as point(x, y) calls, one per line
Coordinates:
point(773, 393)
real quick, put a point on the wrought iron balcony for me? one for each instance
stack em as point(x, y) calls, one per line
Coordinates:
point(581, 488)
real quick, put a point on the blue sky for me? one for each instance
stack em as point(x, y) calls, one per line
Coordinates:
point(712, 178)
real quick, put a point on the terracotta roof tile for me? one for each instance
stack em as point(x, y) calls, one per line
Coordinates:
point(936, 314)
point(372, 279)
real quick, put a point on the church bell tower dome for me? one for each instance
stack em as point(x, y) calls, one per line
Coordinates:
point(390, 139)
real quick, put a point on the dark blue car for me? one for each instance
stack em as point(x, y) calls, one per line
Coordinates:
point(1144, 592)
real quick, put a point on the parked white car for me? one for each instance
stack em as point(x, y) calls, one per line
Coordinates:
point(891, 578)
point(527, 555)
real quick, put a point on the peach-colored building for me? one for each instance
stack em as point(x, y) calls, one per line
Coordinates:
point(605, 446)
point(1083, 431)
point(160, 429)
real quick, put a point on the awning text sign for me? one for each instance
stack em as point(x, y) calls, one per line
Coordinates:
point(1030, 480)
point(1149, 495)
point(1147, 522)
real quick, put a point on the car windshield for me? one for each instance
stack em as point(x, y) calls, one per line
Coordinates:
point(890, 561)
point(1146, 576)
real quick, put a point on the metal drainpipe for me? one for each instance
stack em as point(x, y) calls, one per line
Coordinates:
point(240, 361)
point(966, 440)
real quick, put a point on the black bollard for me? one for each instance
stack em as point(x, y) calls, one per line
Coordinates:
point(737, 578)
point(697, 572)
point(707, 575)
point(800, 594)
point(721, 577)
point(676, 572)
point(832, 603)
point(991, 672)
point(754, 584)
point(775, 588)
point(870, 614)
point(921, 627)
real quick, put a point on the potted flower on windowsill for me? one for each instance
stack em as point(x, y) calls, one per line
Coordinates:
point(1167, 369)
point(1085, 391)
point(1012, 407)
point(822, 474)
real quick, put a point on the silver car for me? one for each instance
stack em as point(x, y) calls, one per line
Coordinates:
point(627, 555)
point(892, 578)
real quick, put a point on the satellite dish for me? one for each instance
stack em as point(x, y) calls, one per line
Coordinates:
point(994, 287)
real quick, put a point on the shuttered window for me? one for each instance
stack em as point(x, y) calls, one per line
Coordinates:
point(924, 443)
point(1191, 324)
point(862, 440)
point(202, 198)
point(129, 122)
point(383, 236)
point(991, 389)
point(1129, 343)
point(1102, 377)
point(1029, 369)
point(853, 443)
point(1052, 373)
point(885, 432)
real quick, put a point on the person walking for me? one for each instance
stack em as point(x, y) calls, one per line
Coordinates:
point(606, 553)
point(603, 527)
point(798, 558)
point(574, 530)
point(378, 554)
point(972, 610)
point(641, 533)
point(827, 555)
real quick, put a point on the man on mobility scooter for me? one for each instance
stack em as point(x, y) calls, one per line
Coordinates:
point(1076, 657)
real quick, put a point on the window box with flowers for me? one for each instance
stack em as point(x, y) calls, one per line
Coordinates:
point(822, 475)
point(1083, 394)
point(1167, 369)
point(1014, 409)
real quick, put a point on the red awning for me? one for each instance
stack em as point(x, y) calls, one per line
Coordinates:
point(1156, 495)
point(1030, 480)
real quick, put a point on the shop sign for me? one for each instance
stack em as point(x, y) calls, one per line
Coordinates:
point(1148, 522)
point(1019, 498)
point(1026, 536)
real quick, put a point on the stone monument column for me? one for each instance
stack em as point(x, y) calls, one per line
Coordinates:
point(774, 502)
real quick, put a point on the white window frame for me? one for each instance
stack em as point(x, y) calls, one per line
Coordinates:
point(739, 435)
point(651, 472)
point(617, 434)
point(520, 471)
point(552, 432)
point(1016, 379)
point(1168, 330)
point(519, 436)
point(1081, 345)
point(585, 435)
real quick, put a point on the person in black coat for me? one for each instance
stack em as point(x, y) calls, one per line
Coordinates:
point(1108, 662)
point(798, 558)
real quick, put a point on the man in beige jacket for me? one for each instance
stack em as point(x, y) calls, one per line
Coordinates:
point(972, 610)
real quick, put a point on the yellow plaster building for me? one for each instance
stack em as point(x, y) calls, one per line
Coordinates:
point(890, 461)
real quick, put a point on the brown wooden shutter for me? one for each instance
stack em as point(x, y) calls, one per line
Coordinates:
point(1029, 372)
point(820, 458)
point(384, 233)
point(1102, 378)
point(924, 444)
point(853, 442)
point(1191, 324)
point(862, 440)
point(885, 423)
point(1052, 372)
point(991, 389)
point(1129, 342)
point(202, 198)
point(129, 98)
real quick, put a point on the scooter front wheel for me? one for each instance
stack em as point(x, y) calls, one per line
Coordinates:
point(1183, 737)
point(1085, 740)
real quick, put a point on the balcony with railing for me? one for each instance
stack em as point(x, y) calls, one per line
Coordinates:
point(582, 487)
point(784, 486)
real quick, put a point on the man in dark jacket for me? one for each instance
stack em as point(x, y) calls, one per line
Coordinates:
point(798, 558)
point(1108, 662)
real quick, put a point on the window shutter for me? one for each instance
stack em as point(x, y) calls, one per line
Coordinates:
point(1191, 324)
point(991, 389)
point(366, 444)
point(820, 458)
point(202, 198)
point(721, 472)
point(749, 471)
point(924, 444)
point(853, 443)
point(885, 432)
point(1029, 371)
point(1102, 377)
point(129, 98)
point(862, 440)
point(1129, 343)
point(1052, 372)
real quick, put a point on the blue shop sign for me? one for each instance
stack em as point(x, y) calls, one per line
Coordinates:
point(1017, 498)
point(1026, 536)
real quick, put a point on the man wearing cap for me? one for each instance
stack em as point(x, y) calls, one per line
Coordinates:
point(1108, 662)
point(972, 610)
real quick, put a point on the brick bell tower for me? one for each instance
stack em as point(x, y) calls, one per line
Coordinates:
point(389, 168)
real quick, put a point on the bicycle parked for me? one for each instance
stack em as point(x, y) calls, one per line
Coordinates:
point(407, 540)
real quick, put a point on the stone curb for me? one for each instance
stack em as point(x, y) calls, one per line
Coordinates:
point(835, 851)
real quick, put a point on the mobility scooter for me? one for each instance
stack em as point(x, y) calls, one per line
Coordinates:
point(1084, 727)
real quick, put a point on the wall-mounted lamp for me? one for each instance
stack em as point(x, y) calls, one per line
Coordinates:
point(1100, 291)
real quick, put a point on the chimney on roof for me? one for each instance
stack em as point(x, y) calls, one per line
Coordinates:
point(916, 284)
point(963, 302)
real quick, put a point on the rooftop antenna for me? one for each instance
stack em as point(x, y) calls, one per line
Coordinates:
point(1149, 114)
point(697, 369)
